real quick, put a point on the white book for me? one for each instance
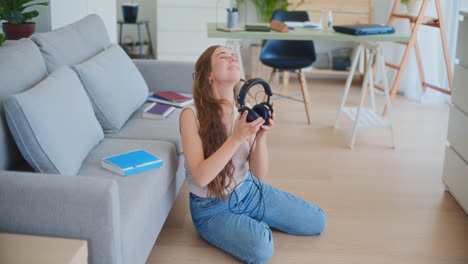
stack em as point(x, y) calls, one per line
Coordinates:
point(306, 24)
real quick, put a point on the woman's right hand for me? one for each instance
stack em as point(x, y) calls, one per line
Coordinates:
point(243, 130)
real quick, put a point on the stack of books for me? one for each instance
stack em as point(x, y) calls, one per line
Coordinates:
point(157, 111)
point(131, 162)
point(170, 98)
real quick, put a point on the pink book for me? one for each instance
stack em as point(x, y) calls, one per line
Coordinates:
point(171, 96)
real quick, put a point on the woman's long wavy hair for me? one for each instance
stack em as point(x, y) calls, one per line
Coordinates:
point(212, 131)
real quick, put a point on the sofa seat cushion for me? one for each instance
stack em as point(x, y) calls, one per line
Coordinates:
point(114, 85)
point(20, 56)
point(138, 127)
point(53, 123)
point(142, 195)
point(73, 43)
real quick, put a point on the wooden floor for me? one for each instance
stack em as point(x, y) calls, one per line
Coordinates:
point(383, 205)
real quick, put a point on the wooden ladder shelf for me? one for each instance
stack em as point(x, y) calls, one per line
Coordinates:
point(416, 22)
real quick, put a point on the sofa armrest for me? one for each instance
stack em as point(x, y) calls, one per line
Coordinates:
point(167, 75)
point(63, 206)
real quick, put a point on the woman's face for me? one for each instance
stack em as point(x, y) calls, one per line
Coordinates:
point(224, 66)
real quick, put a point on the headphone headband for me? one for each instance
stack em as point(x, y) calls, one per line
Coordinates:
point(252, 82)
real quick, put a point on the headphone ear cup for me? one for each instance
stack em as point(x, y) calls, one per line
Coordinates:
point(268, 106)
point(262, 111)
point(251, 115)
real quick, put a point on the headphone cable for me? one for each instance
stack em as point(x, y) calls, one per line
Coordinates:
point(257, 185)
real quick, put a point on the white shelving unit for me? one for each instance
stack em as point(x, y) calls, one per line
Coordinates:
point(455, 175)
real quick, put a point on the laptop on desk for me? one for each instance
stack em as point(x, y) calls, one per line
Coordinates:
point(365, 29)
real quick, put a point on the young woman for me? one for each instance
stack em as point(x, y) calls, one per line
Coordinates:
point(231, 207)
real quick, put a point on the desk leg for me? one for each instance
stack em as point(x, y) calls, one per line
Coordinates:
point(120, 34)
point(150, 42)
point(381, 63)
point(358, 51)
point(139, 40)
point(362, 61)
point(365, 84)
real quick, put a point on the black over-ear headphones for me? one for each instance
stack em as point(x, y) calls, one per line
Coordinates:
point(263, 109)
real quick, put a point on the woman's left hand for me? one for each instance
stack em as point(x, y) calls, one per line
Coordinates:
point(265, 128)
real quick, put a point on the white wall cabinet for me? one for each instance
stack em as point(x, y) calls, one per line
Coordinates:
point(181, 28)
point(456, 154)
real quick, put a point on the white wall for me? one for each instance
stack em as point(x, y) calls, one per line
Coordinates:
point(43, 20)
point(464, 5)
point(107, 10)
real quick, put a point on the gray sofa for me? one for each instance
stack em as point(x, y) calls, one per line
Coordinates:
point(71, 196)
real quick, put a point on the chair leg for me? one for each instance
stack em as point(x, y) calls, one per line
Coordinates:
point(285, 79)
point(272, 75)
point(305, 95)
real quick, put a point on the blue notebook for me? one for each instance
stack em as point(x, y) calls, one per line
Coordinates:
point(131, 162)
point(365, 29)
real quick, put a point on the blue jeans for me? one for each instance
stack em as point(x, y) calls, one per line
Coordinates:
point(241, 224)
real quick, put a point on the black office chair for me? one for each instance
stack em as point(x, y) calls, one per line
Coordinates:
point(290, 55)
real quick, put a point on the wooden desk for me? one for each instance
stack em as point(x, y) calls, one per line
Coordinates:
point(16, 249)
point(304, 34)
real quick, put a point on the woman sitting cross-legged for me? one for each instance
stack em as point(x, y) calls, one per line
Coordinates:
point(226, 160)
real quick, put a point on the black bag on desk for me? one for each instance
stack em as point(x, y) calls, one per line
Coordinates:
point(341, 59)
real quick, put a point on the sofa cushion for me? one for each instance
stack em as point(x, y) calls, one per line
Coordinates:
point(145, 197)
point(53, 123)
point(138, 127)
point(16, 58)
point(115, 86)
point(73, 43)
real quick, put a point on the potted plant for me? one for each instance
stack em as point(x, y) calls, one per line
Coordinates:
point(2, 38)
point(130, 11)
point(413, 6)
point(13, 12)
point(265, 8)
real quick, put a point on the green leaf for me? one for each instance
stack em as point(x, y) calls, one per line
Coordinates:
point(266, 8)
point(42, 4)
point(15, 17)
point(13, 10)
point(2, 38)
point(30, 15)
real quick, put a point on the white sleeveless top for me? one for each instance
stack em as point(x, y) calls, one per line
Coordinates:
point(239, 161)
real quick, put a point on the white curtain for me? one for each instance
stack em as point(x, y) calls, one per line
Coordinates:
point(431, 50)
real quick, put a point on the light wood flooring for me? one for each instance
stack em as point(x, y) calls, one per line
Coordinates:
point(383, 205)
